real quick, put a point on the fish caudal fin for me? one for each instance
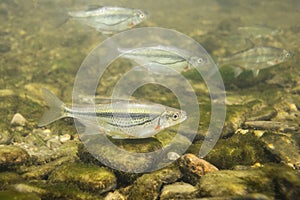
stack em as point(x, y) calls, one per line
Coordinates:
point(55, 111)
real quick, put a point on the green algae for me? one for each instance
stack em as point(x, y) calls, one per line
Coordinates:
point(86, 176)
point(239, 150)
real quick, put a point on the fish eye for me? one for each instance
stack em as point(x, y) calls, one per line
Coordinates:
point(175, 116)
point(200, 60)
point(141, 15)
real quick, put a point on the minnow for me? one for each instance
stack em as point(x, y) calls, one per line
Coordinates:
point(255, 59)
point(155, 58)
point(109, 20)
point(120, 119)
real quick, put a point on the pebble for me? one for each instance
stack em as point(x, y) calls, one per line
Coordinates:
point(18, 120)
point(293, 107)
point(64, 138)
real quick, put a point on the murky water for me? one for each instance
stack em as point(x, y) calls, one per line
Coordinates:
point(40, 46)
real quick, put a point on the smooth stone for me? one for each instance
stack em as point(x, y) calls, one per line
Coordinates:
point(85, 176)
point(178, 190)
point(12, 156)
point(18, 120)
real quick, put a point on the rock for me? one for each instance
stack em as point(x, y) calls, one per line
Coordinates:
point(232, 183)
point(10, 194)
point(12, 156)
point(64, 138)
point(178, 190)
point(87, 177)
point(21, 187)
point(240, 149)
point(98, 148)
point(286, 181)
point(7, 178)
point(195, 165)
point(193, 168)
point(18, 120)
point(114, 196)
point(272, 125)
point(5, 137)
point(284, 148)
point(254, 196)
point(148, 185)
point(43, 171)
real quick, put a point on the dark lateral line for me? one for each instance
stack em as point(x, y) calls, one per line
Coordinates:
point(131, 125)
point(110, 114)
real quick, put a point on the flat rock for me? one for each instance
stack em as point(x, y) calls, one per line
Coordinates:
point(178, 190)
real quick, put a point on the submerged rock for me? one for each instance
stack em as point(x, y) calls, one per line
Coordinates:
point(87, 177)
point(18, 120)
point(178, 190)
point(10, 194)
point(195, 165)
point(231, 183)
point(284, 148)
point(148, 185)
point(96, 149)
point(240, 149)
point(7, 178)
point(270, 181)
point(193, 168)
point(11, 156)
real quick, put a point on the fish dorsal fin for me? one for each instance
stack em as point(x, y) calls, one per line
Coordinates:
point(255, 72)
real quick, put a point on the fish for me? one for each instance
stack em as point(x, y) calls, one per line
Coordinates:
point(258, 31)
point(255, 59)
point(109, 20)
point(154, 57)
point(120, 119)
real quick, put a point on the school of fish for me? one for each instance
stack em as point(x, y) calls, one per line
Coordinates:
point(122, 119)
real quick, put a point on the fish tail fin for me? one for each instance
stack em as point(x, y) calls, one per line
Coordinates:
point(56, 109)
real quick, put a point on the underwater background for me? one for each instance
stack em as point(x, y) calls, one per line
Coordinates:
point(257, 156)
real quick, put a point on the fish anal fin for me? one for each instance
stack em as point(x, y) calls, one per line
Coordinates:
point(255, 72)
point(237, 70)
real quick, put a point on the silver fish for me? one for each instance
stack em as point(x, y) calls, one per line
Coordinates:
point(255, 59)
point(156, 56)
point(120, 119)
point(258, 31)
point(110, 20)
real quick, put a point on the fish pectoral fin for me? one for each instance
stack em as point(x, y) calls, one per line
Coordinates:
point(255, 72)
point(237, 71)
